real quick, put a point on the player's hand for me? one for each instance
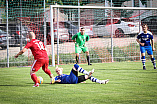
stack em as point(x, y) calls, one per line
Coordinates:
point(76, 44)
point(142, 44)
point(58, 80)
point(16, 56)
point(153, 49)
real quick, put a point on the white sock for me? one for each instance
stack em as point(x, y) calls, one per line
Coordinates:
point(81, 70)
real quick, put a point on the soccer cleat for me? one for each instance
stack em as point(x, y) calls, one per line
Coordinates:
point(104, 81)
point(144, 67)
point(155, 67)
point(52, 79)
point(36, 85)
point(91, 72)
point(89, 64)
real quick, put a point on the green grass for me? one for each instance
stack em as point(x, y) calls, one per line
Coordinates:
point(128, 84)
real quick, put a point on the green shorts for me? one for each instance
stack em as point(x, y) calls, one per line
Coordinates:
point(80, 48)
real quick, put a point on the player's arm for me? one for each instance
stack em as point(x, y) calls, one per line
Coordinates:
point(74, 37)
point(74, 41)
point(138, 37)
point(21, 52)
point(57, 81)
point(87, 39)
point(152, 42)
point(45, 49)
point(142, 44)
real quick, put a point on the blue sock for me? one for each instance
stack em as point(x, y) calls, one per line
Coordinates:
point(81, 70)
point(76, 66)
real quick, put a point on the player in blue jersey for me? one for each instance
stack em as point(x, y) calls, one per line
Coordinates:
point(73, 77)
point(146, 41)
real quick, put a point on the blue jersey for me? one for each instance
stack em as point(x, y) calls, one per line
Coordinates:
point(67, 79)
point(145, 38)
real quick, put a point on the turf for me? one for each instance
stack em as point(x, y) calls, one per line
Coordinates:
point(128, 84)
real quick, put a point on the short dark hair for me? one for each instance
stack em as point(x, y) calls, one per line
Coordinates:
point(144, 25)
point(82, 28)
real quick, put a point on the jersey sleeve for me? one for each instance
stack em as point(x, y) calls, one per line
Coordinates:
point(73, 37)
point(138, 36)
point(56, 78)
point(28, 45)
point(151, 36)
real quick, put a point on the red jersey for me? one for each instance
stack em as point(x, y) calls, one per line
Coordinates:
point(38, 49)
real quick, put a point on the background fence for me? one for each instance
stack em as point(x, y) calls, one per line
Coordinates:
point(100, 24)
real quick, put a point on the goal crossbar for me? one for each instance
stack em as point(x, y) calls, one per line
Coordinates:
point(101, 7)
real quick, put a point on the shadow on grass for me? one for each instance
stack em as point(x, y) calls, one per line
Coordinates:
point(65, 84)
point(14, 85)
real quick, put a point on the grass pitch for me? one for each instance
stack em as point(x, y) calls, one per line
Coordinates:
point(128, 84)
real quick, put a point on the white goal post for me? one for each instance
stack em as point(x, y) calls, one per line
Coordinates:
point(85, 7)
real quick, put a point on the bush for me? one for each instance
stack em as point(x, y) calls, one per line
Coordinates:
point(22, 60)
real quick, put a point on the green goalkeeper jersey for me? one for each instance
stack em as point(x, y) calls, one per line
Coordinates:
point(80, 39)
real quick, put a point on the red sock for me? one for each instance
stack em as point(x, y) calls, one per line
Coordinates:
point(34, 78)
point(48, 72)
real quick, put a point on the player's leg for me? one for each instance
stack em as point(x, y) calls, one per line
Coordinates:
point(47, 71)
point(88, 58)
point(150, 53)
point(81, 70)
point(85, 49)
point(93, 79)
point(153, 61)
point(35, 67)
point(82, 78)
point(73, 77)
point(77, 51)
point(34, 78)
point(143, 59)
point(77, 58)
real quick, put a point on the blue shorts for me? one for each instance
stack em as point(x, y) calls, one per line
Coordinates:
point(143, 49)
point(73, 79)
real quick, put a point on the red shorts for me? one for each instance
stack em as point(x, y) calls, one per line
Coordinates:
point(40, 63)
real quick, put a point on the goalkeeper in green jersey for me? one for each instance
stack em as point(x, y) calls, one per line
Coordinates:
point(80, 38)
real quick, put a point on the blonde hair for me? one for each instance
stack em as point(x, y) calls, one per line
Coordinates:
point(58, 68)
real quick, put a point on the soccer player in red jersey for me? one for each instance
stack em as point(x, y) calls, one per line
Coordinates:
point(40, 58)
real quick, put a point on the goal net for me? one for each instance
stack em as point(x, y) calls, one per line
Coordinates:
point(112, 32)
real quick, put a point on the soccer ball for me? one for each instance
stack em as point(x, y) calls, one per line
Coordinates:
point(40, 80)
